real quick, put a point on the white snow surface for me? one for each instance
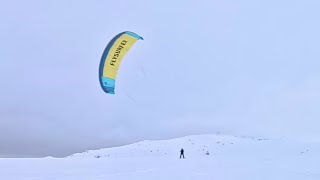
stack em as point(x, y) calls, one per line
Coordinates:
point(229, 158)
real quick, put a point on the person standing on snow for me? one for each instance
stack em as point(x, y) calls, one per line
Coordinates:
point(181, 153)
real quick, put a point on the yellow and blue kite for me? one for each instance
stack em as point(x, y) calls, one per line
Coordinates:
point(112, 57)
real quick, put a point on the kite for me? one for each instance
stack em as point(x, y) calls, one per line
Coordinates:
point(112, 57)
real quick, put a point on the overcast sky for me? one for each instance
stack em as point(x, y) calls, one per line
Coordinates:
point(237, 67)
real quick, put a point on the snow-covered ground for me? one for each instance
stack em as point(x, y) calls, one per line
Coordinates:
point(208, 157)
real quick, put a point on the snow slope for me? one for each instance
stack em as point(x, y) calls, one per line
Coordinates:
point(195, 146)
point(229, 158)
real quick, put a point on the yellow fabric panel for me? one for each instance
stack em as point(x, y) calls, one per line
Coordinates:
point(116, 54)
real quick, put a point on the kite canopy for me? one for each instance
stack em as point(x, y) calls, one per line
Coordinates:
point(112, 57)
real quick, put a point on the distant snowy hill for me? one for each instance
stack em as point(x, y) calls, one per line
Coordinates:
point(196, 146)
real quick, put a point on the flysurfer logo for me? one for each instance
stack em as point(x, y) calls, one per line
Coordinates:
point(117, 53)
